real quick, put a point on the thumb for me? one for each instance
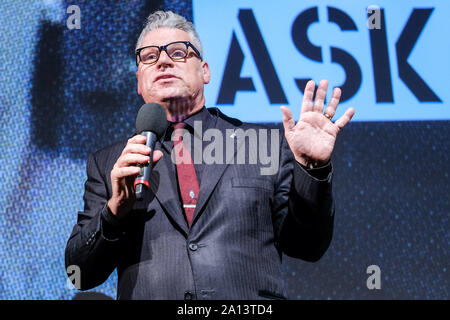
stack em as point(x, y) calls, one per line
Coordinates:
point(288, 120)
point(157, 154)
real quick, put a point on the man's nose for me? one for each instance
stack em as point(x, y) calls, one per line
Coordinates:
point(164, 59)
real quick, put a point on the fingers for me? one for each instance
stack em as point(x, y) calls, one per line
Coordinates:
point(137, 139)
point(131, 159)
point(307, 104)
point(134, 155)
point(137, 145)
point(127, 165)
point(346, 117)
point(136, 148)
point(320, 96)
point(331, 109)
point(123, 172)
point(288, 120)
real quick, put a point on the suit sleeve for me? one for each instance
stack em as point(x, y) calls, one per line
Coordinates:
point(303, 208)
point(95, 238)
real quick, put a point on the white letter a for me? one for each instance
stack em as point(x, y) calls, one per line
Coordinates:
point(374, 281)
point(74, 21)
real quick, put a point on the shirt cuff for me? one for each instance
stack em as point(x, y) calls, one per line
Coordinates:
point(110, 225)
point(320, 173)
point(313, 185)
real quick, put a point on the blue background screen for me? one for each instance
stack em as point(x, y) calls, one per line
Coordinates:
point(67, 93)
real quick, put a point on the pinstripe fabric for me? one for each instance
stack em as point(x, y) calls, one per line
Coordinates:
point(242, 225)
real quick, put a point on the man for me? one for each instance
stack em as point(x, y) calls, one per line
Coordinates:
point(228, 242)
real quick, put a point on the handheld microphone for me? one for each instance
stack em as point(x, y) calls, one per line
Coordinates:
point(151, 122)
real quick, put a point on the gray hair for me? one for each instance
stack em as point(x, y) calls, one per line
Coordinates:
point(168, 19)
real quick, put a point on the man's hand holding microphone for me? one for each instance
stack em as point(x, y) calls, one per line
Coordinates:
point(131, 172)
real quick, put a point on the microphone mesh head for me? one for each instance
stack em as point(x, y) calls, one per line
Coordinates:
point(152, 117)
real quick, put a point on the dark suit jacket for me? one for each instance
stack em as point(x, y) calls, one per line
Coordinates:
point(243, 223)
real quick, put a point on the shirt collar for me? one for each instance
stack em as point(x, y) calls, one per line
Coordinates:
point(203, 115)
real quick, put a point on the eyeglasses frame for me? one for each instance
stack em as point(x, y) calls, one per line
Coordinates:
point(161, 48)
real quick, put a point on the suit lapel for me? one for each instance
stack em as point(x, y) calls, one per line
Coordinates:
point(164, 183)
point(166, 191)
point(212, 173)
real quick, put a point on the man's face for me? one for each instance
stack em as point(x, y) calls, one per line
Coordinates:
point(169, 80)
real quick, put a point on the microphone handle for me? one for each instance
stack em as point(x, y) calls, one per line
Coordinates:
point(142, 183)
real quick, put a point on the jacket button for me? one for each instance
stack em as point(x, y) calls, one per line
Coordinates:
point(193, 246)
point(188, 295)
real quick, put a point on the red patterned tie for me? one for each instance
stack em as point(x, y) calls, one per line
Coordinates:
point(187, 178)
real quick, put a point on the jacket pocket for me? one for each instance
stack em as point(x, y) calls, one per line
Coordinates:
point(259, 183)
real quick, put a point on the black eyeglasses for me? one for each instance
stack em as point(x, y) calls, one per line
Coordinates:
point(176, 51)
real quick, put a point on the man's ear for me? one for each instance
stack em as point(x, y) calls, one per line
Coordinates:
point(206, 73)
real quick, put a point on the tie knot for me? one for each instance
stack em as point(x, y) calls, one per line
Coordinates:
point(179, 125)
point(178, 130)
